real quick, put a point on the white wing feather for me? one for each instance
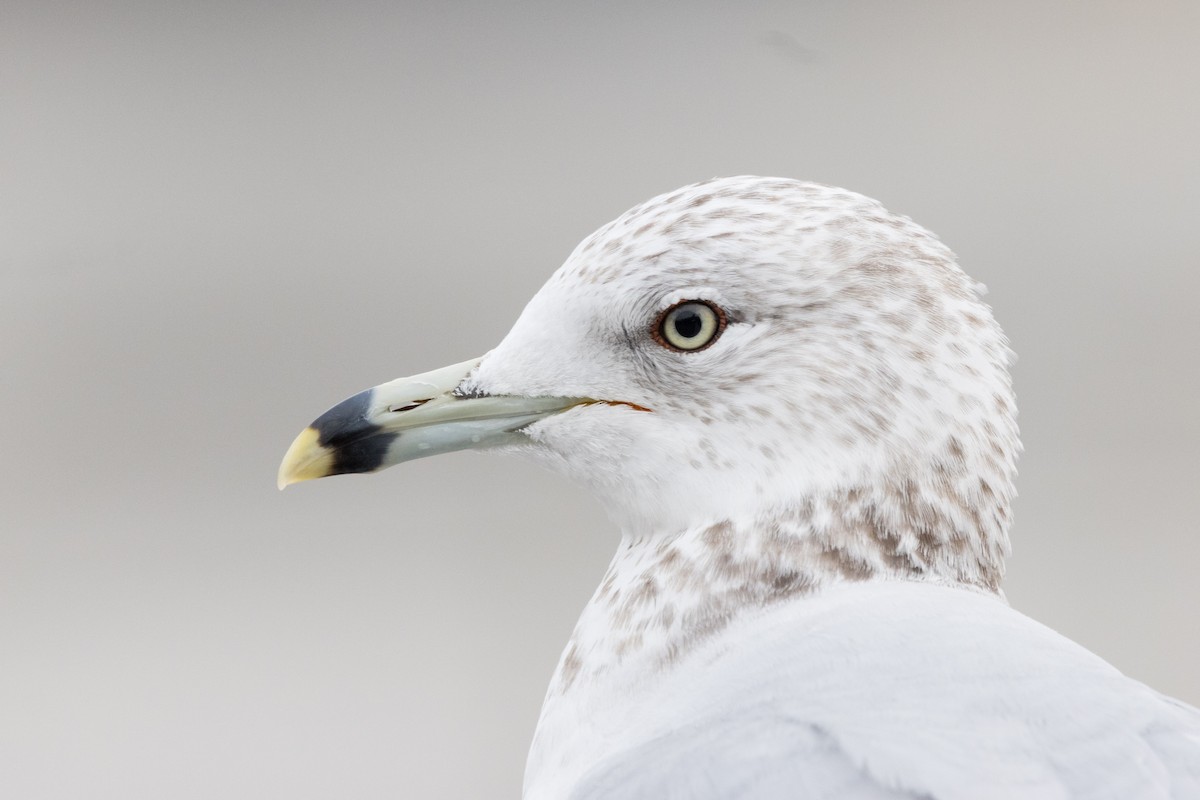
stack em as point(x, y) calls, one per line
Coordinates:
point(903, 690)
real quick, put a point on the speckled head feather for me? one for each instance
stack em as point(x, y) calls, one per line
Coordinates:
point(858, 404)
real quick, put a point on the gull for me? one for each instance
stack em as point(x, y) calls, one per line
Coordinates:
point(797, 409)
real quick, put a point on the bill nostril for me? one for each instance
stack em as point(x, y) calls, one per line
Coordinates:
point(395, 409)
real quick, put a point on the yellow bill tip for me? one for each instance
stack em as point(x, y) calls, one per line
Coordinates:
point(305, 460)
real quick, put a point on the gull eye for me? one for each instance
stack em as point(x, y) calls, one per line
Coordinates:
point(689, 326)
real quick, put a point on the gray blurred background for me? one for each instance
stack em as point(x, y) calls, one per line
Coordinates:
point(218, 219)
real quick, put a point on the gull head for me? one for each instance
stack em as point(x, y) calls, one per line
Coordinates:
point(740, 349)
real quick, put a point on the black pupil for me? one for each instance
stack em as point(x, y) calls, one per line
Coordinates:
point(688, 323)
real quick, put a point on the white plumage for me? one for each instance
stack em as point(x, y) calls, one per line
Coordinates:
point(878, 689)
point(890, 666)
